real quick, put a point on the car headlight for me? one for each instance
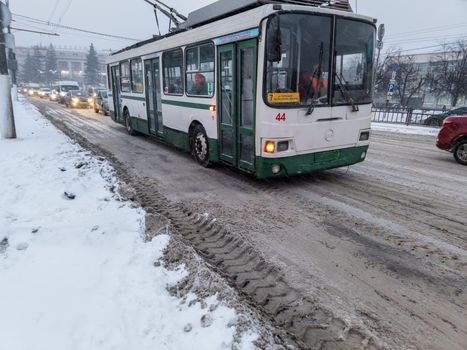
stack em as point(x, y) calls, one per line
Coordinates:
point(75, 99)
point(63, 94)
point(90, 99)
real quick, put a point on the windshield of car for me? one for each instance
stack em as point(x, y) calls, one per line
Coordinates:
point(102, 94)
point(66, 88)
point(354, 56)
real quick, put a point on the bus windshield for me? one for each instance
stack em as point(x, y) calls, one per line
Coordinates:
point(300, 76)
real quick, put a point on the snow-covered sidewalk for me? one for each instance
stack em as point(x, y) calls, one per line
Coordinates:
point(75, 272)
point(404, 129)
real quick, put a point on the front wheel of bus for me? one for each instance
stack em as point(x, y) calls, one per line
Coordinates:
point(200, 146)
point(128, 126)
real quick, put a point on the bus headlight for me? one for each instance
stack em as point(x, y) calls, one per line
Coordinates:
point(282, 146)
point(364, 136)
point(269, 147)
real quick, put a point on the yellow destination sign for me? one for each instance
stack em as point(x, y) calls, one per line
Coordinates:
point(286, 97)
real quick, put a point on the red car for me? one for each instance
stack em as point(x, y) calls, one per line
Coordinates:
point(453, 137)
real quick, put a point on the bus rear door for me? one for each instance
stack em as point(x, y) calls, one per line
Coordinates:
point(115, 71)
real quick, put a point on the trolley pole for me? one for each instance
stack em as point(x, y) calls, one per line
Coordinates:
point(7, 121)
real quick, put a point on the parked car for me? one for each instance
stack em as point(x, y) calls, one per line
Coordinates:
point(453, 137)
point(77, 99)
point(437, 120)
point(44, 92)
point(100, 102)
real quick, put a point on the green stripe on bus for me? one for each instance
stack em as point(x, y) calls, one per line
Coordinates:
point(186, 104)
point(136, 98)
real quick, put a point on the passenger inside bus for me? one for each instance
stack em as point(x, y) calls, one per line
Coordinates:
point(312, 86)
point(200, 87)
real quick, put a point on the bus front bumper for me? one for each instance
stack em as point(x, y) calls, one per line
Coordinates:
point(308, 163)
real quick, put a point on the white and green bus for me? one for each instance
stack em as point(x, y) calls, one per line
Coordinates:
point(271, 89)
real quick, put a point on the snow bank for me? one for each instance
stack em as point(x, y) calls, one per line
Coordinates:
point(404, 129)
point(75, 273)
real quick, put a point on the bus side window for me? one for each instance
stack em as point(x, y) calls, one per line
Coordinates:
point(200, 70)
point(173, 67)
point(125, 80)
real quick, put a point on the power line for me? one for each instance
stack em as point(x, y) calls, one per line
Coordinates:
point(54, 9)
point(64, 12)
point(34, 31)
point(450, 36)
point(57, 25)
point(429, 30)
point(427, 47)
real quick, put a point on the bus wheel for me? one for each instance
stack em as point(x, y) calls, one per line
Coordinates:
point(129, 128)
point(200, 146)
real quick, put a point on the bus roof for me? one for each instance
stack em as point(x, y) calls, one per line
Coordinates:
point(231, 23)
point(223, 8)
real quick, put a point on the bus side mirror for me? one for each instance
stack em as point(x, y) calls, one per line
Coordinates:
point(274, 40)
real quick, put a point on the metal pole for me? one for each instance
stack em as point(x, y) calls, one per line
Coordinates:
point(7, 120)
point(11, 55)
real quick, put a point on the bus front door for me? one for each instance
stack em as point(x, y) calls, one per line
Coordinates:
point(153, 97)
point(116, 94)
point(236, 103)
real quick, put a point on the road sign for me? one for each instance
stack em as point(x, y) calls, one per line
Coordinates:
point(381, 31)
point(391, 89)
point(395, 67)
point(5, 15)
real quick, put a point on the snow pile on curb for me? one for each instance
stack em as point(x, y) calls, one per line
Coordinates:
point(75, 272)
point(404, 129)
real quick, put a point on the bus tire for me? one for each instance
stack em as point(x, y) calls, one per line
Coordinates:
point(200, 146)
point(128, 126)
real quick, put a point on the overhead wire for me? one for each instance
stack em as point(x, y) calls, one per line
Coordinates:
point(54, 9)
point(64, 12)
point(57, 25)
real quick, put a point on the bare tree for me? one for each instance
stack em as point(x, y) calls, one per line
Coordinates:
point(449, 69)
point(409, 79)
point(383, 72)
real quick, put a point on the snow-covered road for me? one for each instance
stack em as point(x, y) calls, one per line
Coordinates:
point(379, 249)
point(75, 269)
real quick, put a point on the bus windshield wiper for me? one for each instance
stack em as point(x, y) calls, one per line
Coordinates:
point(318, 73)
point(345, 93)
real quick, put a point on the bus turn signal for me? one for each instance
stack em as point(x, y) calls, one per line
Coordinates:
point(269, 147)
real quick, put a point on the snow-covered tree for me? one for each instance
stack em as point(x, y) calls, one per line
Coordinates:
point(92, 67)
point(50, 65)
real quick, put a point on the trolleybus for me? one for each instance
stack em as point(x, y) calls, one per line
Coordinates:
point(271, 89)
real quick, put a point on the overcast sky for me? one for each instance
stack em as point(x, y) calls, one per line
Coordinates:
point(410, 24)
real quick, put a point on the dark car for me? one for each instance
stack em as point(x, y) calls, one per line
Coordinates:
point(437, 120)
point(77, 99)
point(453, 137)
point(100, 102)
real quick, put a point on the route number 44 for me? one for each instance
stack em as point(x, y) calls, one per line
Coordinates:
point(280, 117)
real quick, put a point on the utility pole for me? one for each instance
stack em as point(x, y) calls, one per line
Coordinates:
point(7, 120)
